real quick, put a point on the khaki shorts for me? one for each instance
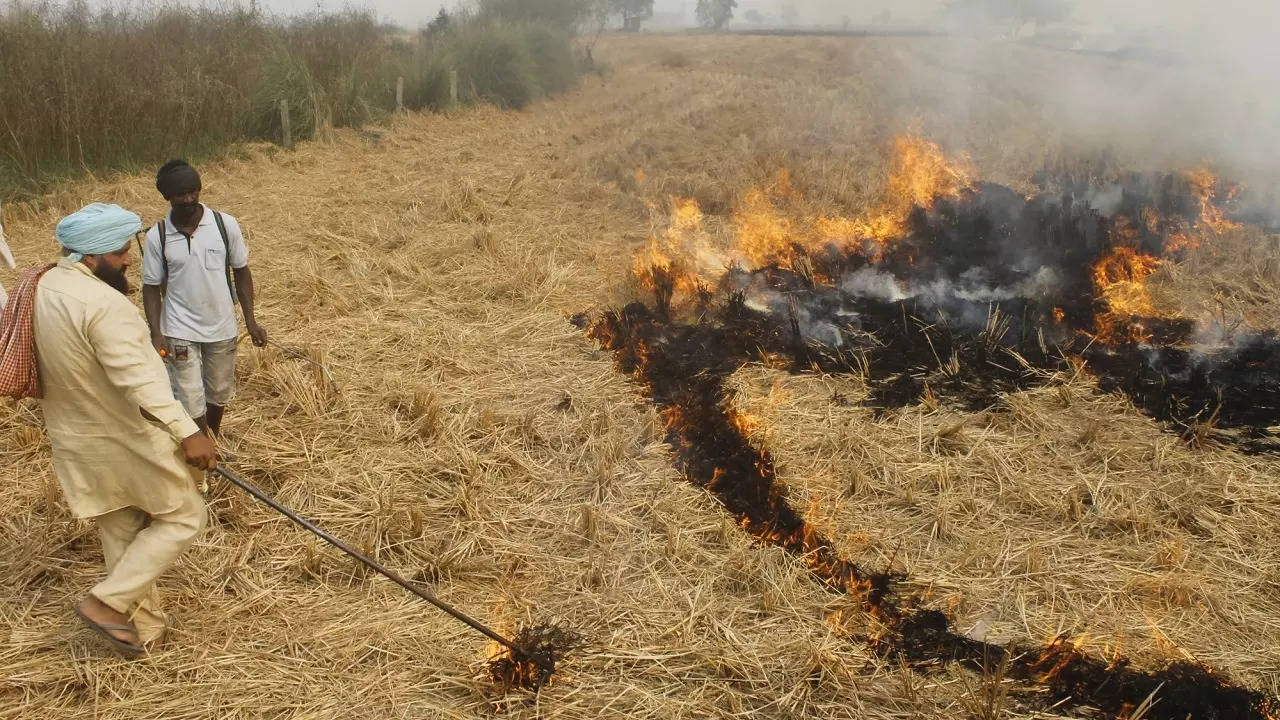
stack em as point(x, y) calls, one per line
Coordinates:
point(201, 373)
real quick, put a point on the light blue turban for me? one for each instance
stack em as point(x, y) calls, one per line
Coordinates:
point(96, 229)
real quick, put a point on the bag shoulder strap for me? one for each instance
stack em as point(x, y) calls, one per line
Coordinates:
point(164, 254)
point(222, 230)
point(226, 247)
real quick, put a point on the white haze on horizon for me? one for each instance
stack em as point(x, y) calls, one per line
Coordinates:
point(1211, 93)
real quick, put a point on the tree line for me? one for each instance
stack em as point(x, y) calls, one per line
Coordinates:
point(574, 14)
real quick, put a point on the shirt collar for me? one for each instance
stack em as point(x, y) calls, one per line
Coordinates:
point(206, 217)
point(67, 262)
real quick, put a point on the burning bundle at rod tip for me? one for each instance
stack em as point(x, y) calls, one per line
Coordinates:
point(530, 660)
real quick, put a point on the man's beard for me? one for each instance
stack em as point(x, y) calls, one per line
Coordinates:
point(114, 278)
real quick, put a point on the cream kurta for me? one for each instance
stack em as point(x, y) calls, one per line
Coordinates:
point(97, 370)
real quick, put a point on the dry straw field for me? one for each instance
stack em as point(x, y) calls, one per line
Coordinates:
point(475, 440)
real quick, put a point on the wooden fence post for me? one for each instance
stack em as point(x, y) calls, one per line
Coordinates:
point(400, 94)
point(286, 136)
point(453, 87)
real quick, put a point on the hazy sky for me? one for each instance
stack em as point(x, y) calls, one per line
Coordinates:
point(416, 12)
point(1236, 17)
point(1257, 19)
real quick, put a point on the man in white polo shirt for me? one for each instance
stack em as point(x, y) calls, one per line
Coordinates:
point(188, 264)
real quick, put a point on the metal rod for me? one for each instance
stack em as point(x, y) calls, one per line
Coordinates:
point(369, 562)
point(299, 355)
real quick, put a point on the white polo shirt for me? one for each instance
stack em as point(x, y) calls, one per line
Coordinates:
point(197, 303)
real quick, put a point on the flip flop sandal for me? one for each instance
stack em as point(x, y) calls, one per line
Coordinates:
point(122, 648)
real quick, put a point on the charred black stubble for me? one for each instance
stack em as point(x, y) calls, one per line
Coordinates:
point(683, 368)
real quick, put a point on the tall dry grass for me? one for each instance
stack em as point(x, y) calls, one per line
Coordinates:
point(92, 90)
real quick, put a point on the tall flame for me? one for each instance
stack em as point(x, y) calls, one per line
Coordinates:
point(1204, 185)
point(765, 235)
point(681, 255)
point(920, 174)
point(769, 225)
point(767, 228)
point(1120, 278)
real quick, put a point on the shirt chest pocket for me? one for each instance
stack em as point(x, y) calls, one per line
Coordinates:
point(215, 258)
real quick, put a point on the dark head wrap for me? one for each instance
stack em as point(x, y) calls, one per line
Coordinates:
point(177, 177)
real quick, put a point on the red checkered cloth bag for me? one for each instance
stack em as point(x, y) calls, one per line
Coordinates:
point(19, 376)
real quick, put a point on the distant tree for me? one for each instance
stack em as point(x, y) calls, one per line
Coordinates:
point(441, 23)
point(753, 16)
point(715, 14)
point(633, 12)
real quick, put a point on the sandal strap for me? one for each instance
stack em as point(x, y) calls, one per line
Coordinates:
point(105, 625)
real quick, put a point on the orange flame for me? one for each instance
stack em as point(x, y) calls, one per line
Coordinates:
point(765, 231)
point(922, 174)
point(763, 234)
point(1204, 184)
point(746, 423)
point(1120, 279)
point(919, 175)
point(680, 253)
point(1059, 653)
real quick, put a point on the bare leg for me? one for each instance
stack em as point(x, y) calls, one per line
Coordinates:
point(213, 417)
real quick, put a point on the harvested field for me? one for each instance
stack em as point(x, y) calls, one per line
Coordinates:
point(478, 441)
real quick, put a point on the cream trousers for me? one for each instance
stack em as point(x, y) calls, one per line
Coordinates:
point(137, 548)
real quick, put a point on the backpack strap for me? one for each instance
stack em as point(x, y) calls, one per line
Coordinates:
point(226, 248)
point(164, 255)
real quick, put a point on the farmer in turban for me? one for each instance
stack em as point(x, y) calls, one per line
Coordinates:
point(125, 452)
point(188, 262)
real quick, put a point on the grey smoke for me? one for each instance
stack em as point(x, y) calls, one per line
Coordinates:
point(971, 286)
point(869, 282)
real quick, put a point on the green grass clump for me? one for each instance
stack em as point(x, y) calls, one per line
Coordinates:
point(425, 69)
point(554, 66)
point(92, 90)
point(495, 64)
point(512, 64)
point(281, 76)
